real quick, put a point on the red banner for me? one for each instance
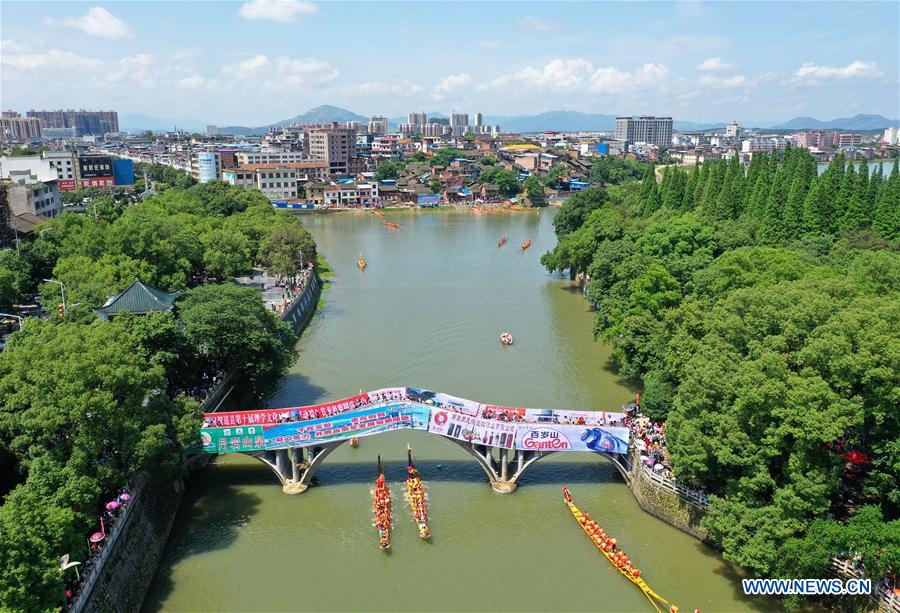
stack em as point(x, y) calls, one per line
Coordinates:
point(97, 182)
point(66, 185)
point(280, 416)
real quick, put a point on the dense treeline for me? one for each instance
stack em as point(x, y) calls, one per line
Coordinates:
point(86, 404)
point(760, 306)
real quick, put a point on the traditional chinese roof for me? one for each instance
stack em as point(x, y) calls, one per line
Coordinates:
point(139, 298)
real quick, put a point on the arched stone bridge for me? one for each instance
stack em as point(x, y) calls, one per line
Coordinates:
point(505, 441)
point(295, 467)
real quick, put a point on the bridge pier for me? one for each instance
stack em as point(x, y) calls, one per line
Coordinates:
point(296, 467)
point(501, 478)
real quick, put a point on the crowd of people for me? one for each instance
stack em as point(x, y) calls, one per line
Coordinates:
point(111, 515)
point(209, 379)
point(292, 288)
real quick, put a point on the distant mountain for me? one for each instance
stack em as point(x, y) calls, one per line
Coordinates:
point(692, 126)
point(319, 114)
point(562, 121)
point(137, 122)
point(858, 122)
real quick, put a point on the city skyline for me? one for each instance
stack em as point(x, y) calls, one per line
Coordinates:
point(256, 62)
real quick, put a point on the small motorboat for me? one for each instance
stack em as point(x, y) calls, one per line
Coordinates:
point(361, 262)
point(506, 338)
point(526, 244)
point(503, 241)
point(391, 225)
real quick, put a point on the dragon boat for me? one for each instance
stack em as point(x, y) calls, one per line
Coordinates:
point(381, 505)
point(609, 547)
point(415, 496)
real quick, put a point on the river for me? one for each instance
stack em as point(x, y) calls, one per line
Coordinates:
point(427, 312)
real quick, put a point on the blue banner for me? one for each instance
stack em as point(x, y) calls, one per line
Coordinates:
point(373, 420)
point(558, 437)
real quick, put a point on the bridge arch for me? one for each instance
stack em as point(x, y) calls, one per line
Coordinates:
point(296, 467)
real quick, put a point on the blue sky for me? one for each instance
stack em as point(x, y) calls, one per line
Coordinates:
point(260, 61)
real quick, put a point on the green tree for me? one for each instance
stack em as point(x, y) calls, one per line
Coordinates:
point(388, 170)
point(534, 190)
point(505, 179)
point(288, 249)
point(15, 278)
point(239, 333)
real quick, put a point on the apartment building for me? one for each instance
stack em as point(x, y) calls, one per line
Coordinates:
point(18, 129)
point(84, 122)
point(645, 129)
point(352, 194)
point(269, 157)
point(334, 145)
point(378, 125)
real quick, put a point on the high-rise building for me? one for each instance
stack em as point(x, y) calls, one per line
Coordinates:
point(84, 122)
point(892, 136)
point(733, 130)
point(212, 130)
point(378, 124)
point(417, 119)
point(459, 123)
point(357, 126)
point(334, 145)
point(14, 127)
point(645, 129)
point(479, 120)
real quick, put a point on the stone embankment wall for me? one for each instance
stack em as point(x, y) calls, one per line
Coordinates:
point(666, 504)
point(128, 567)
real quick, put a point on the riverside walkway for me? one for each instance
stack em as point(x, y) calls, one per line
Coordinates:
point(505, 441)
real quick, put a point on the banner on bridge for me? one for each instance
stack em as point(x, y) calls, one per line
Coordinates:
point(239, 438)
point(443, 401)
point(588, 418)
point(558, 437)
point(373, 420)
point(472, 429)
point(274, 416)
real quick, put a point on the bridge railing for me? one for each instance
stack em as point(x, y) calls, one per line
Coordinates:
point(676, 488)
point(88, 579)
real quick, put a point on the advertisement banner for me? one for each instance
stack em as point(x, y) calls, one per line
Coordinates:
point(596, 418)
point(97, 182)
point(387, 394)
point(290, 414)
point(491, 411)
point(241, 438)
point(553, 437)
point(443, 401)
point(472, 429)
point(66, 185)
point(382, 418)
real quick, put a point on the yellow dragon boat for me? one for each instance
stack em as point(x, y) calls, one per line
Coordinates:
point(381, 505)
point(361, 262)
point(609, 548)
point(415, 496)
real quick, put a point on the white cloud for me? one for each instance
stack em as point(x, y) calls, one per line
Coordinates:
point(384, 89)
point(853, 70)
point(712, 81)
point(246, 68)
point(613, 81)
point(27, 61)
point(284, 11)
point(100, 23)
point(451, 84)
point(578, 75)
point(714, 64)
point(539, 25)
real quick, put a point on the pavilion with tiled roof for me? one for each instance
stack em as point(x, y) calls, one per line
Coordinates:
point(139, 299)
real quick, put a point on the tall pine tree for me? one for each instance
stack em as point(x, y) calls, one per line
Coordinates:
point(813, 222)
point(887, 207)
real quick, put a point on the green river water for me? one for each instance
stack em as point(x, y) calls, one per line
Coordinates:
point(427, 312)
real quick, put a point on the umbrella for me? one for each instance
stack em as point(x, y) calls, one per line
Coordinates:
point(113, 504)
point(125, 497)
point(96, 537)
point(856, 457)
